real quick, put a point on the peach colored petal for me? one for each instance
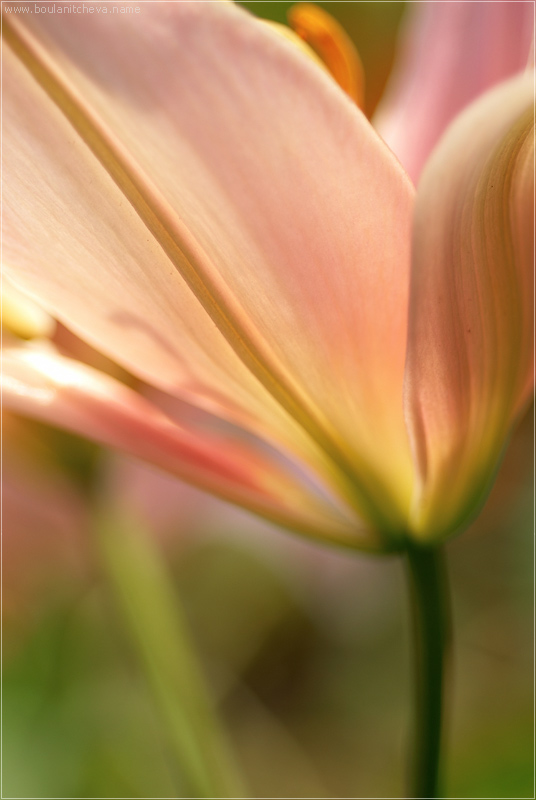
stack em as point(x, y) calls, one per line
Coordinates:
point(237, 179)
point(470, 368)
point(75, 244)
point(100, 272)
point(38, 382)
point(453, 51)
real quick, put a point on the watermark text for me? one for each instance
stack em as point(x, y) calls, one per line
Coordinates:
point(70, 8)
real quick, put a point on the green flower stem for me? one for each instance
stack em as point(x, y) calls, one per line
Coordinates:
point(150, 610)
point(431, 625)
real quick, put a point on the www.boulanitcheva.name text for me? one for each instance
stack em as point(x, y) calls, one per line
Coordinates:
point(71, 8)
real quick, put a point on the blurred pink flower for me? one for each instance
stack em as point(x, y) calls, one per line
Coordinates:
point(450, 53)
point(196, 199)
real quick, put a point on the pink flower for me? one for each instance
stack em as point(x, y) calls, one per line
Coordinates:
point(199, 201)
point(451, 53)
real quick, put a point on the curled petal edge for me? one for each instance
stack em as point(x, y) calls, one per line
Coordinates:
point(470, 365)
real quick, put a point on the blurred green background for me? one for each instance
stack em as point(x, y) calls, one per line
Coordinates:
point(305, 649)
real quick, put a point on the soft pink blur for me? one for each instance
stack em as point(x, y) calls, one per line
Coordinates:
point(450, 53)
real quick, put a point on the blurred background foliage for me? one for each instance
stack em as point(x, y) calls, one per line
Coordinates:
point(306, 649)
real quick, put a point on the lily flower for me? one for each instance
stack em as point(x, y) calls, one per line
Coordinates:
point(202, 203)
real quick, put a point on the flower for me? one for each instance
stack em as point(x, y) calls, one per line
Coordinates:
point(196, 199)
point(450, 54)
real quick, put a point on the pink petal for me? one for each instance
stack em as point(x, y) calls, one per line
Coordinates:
point(39, 383)
point(453, 52)
point(282, 213)
point(72, 241)
point(470, 368)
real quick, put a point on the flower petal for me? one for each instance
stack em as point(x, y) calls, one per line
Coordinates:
point(39, 383)
point(454, 51)
point(72, 242)
point(470, 367)
point(272, 198)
